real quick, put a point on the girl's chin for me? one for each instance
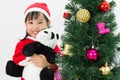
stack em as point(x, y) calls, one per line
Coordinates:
point(34, 36)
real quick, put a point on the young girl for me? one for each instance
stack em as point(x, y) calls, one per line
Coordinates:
point(37, 18)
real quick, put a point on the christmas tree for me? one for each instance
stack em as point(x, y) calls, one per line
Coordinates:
point(90, 45)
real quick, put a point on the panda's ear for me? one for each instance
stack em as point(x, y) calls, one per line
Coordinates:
point(52, 35)
point(57, 35)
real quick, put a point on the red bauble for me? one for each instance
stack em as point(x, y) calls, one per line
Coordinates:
point(104, 6)
point(66, 15)
point(92, 54)
point(54, 67)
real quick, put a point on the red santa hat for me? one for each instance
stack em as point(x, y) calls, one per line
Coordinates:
point(40, 7)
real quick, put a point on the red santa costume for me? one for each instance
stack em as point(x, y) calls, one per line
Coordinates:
point(18, 56)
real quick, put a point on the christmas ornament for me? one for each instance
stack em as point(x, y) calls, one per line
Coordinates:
point(104, 6)
point(105, 69)
point(66, 50)
point(58, 75)
point(92, 54)
point(83, 15)
point(102, 29)
point(54, 67)
point(66, 15)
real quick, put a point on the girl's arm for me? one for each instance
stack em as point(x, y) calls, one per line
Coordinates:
point(40, 61)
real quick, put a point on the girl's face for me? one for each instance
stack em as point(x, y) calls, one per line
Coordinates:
point(34, 26)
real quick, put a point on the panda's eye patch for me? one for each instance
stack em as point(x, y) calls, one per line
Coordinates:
point(52, 35)
point(57, 36)
point(46, 32)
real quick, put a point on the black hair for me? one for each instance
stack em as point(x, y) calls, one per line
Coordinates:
point(33, 15)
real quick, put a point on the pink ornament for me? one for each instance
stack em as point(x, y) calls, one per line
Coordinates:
point(58, 75)
point(102, 29)
point(92, 54)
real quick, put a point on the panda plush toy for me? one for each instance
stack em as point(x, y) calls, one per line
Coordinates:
point(45, 44)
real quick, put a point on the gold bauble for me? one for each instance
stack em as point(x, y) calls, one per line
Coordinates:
point(83, 15)
point(66, 50)
point(105, 69)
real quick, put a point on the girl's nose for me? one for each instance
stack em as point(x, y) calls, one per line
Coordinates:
point(35, 26)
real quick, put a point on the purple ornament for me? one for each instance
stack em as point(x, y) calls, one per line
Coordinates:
point(102, 29)
point(92, 54)
point(58, 75)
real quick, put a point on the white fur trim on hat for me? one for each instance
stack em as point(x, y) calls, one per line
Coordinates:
point(40, 7)
point(39, 10)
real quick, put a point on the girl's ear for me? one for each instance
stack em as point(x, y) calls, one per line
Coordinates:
point(48, 23)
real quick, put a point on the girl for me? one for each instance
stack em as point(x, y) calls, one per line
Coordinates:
point(37, 18)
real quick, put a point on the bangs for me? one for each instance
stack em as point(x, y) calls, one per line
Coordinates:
point(32, 15)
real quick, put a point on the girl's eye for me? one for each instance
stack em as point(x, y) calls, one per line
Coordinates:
point(39, 22)
point(30, 22)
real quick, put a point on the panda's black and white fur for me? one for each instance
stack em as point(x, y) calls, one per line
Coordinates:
point(45, 43)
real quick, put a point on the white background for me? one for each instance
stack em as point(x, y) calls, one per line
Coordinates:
point(12, 25)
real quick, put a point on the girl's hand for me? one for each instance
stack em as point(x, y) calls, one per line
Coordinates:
point(40, 61)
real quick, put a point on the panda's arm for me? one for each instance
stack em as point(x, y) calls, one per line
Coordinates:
point(29, 49)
